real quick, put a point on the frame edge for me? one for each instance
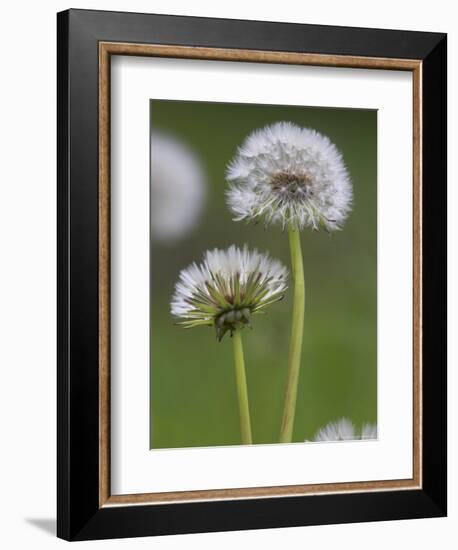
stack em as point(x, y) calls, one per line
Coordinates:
point(434, 288)
point(63, 447)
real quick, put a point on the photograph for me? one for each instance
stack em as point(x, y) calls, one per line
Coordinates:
point(263, 274)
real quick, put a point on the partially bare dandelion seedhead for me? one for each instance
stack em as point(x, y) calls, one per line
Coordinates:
point(227, 289)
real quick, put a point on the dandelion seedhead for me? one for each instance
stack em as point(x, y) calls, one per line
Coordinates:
point(178, 188)
point(345, 430)
point(227, 289)
point(289, 175)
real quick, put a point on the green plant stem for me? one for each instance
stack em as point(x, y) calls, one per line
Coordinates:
point(242, 392)
point(297, 329)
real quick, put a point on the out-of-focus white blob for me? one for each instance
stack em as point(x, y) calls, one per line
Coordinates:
point(178, 188)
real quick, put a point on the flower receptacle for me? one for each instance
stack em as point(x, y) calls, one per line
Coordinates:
point(231, 320)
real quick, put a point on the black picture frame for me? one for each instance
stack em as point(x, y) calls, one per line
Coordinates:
point(79, 514)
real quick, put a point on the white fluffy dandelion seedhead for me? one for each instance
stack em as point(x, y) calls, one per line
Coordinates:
point(289, 175)
point(227, 288)
point(345, 430)
point(178, 188)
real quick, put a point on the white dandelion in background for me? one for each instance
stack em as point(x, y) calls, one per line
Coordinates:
point(225, 291)
point(345, 430)
point(294, 177)
point(178, 188)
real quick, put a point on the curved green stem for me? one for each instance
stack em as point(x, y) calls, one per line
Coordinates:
point(297, 329)
point(242, 392)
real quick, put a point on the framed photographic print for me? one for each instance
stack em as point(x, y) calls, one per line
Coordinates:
point(252, 274)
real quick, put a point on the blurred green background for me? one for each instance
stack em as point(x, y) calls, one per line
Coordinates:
point(193, 392)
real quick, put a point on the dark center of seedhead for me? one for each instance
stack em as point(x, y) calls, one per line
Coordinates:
point(292, 186)
point(231, 320)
